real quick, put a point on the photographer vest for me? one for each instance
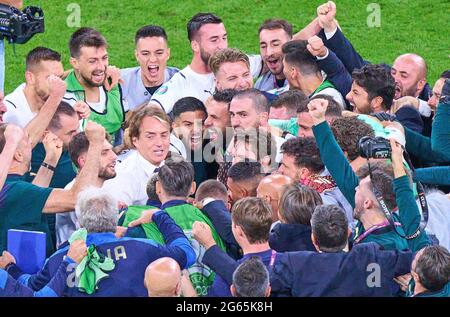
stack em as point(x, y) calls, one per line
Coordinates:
point(112, 116)
point(184, 216)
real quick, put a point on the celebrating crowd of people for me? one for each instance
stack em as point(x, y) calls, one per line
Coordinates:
point(303, 170)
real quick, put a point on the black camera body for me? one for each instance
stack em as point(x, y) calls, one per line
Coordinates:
point(20, 26)
point(374, 147)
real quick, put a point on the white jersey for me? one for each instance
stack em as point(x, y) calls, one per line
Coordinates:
point(185, 83)
point(18, 110)
point(188, 83)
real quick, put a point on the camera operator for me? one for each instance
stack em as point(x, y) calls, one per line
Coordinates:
point(372, 223)
point(17, 4)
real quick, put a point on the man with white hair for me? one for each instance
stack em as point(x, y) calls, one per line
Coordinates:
point(97, 212)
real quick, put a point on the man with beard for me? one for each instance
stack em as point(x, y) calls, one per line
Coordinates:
point(67, 223)
point(23, 205)
point(32, 104)
point(207, 35)
point(218, 128)
point(231, 69)
point(272, 35)
point(152, 53)
point(409, 70)
point(302, 162)
point(89, 59)
point(64, 125)
point(189, 115)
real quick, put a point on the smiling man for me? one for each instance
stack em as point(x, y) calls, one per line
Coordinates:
point(231, 69)
point(207, 35)
point(152, 53)
point(67, 223)
point(89, 59)
point(149, 134)
point(189, 116)
point(272, 35)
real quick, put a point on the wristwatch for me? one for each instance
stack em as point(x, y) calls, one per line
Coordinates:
point(445, 99)
point(50, 167)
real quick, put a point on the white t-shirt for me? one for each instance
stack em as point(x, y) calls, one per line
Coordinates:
point(99, 107)
point(188, 83)
point(130, 184)
point(18, 110)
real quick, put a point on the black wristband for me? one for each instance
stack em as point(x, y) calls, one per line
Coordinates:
point(52, 168)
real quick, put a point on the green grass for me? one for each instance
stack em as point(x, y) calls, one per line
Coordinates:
point(416, 26)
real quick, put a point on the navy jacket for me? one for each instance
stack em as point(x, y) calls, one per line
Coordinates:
point(351, 59)
point(337, 74)
point(220, 217)
point(286, 237)
point(221, 285)
point(131, 257)
point(9, 287)
point(366, 270)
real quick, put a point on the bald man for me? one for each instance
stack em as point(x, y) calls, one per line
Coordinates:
point(270, 189)
point(409, 72)
point(163, 278)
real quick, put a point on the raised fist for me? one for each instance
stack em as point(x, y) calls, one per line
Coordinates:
point(316, 47)
point(82, 109)
point(326, 14)
point(95, 133)
point(13, 134)
point(317, 109)
point(53, 148)
point(57, 86)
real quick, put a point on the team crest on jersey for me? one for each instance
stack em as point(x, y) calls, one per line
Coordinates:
point(162, 90)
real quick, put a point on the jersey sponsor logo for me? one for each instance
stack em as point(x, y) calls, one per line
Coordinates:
point(162, 90)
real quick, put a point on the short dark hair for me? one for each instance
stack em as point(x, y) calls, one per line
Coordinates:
point(150, 31)
point(254, 216)
point(251, 278)
point(291, 99)
point(227, 55)
point(275, 24)
point(88, 37)
point(63, 109)
point(256, 96)
point(225, 95)
point(433, 267)
point(198, 20)
point(297, 55)
point(297, 203)
point(212, 188)
point(348, 131)
point(330, 228)
point(383, 177)
point(151, 187)
point(187, 104)
point(305, 152)
point(376, 81)
point(245, 171)
point(445, 74)
point(39, 54)
point(334, 109)
point(176, 177)
point(78, 146)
